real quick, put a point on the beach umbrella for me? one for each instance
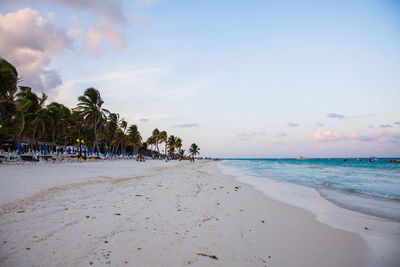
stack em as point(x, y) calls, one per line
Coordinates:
point(19, 149)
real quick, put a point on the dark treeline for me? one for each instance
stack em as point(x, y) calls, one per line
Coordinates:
point(26, 117)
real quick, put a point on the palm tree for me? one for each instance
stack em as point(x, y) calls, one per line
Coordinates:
point(59, 117)
point(8, 87)
point(134, 138)
point(156, 138)
point(171, 144)
point(123, 124)
point(110, 129)
point(181, 153)
point(78, 124)
point(178, 143)
point(118, 139)
point(123, 140)
point(12, 120)
point(151, 141)
point(90, 105)
point(64, 123)
point(162, 138)
point(194, 150)
point(13, 127)
point(35, 113)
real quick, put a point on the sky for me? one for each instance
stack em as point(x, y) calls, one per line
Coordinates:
point(238, 78)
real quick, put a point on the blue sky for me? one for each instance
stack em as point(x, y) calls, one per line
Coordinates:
point(239, 78)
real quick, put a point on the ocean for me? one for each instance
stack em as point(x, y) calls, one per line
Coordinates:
point(370, 187)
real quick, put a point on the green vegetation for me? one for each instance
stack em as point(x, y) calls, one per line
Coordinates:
point(25, 118)
point(194, 150)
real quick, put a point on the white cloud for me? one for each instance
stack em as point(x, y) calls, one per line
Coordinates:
point(341, 116)
point(28, 41)
point(336, 116)
point(185, 125)
point(293, 124)
point(112, 18)
point(325, 135)
point(110, 32)
point(386, 126)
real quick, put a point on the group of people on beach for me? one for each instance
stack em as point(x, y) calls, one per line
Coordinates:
point(140, 158)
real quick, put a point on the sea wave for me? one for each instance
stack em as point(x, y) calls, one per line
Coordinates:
point(368, 188)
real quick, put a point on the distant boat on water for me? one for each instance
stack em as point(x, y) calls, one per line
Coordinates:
point(372, 159)
point(301, 158)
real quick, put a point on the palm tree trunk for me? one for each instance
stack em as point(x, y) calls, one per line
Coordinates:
point(34, 132)
point(96, 146)
point(52, 138)
point(79, 139)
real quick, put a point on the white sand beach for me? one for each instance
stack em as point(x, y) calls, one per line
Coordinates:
point(156, 213)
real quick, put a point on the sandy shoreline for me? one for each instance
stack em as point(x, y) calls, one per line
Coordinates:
point(158, 214)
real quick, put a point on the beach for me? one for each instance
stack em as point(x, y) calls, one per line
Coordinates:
point(156, 213)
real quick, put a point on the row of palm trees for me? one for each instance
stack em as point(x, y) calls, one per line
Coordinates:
point(25, 117)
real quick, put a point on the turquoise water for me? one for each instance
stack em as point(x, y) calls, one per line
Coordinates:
point(357, 184)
